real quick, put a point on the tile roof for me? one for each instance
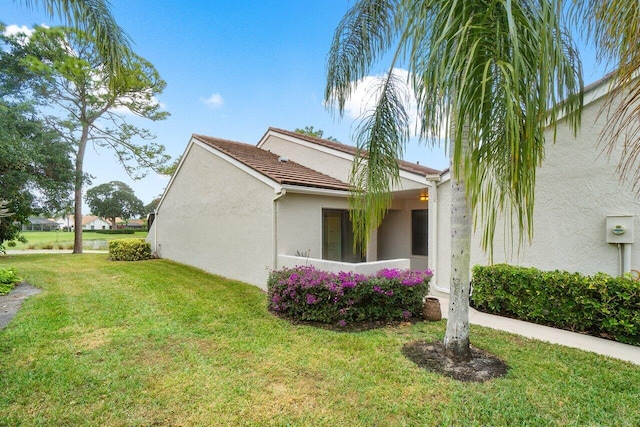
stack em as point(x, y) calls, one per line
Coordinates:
point(350, 149)
point(268, 164)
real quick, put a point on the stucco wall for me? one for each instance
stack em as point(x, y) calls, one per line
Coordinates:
point(394, 234)
point(218, 218)
point(442, 265)
point(576, 188)
point(336, 267)
point(300, 222)
point(327, 163)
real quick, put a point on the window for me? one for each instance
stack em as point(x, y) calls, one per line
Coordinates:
point(337, 237)
point(419, 232)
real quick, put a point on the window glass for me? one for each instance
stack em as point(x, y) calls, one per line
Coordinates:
point(419, 231)
point(337, 237)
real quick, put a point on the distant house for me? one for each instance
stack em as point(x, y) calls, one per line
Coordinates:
point(135, 224)
point(239, 210)
point(89, 222)
point(39, 224)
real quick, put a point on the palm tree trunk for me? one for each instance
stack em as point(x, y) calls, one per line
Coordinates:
point(456, 339)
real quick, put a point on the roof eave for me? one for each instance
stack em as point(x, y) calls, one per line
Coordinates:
point(299, 189)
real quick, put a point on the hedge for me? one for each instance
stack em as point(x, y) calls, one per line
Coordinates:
point(116, 231)
point(600, 305)
point(129, 250)
point(305, 293)
point(8, 280)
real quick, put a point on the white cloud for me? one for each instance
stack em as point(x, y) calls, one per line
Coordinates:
point(13, 30)
point(214, 101)
point(362, 99)
point(366, 92)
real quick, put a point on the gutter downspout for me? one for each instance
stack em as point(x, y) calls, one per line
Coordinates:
point(280, 194)
point(433, 232)
point(155, 232)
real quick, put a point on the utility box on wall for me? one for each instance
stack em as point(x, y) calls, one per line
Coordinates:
point(619, 229)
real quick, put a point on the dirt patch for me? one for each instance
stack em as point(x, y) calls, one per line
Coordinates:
point(431, 356)
point(11, 303)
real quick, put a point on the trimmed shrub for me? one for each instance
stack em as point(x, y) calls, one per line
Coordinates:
point(599, 305)
point(305, 293)
point(8, 280)
point(117, 231)
point(129, 250)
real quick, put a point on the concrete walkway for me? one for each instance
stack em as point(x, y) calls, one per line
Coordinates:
point(629, 353)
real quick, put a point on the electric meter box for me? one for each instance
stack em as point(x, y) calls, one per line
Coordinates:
point(619, 228)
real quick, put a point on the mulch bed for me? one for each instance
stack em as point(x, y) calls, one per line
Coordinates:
point(431, 356)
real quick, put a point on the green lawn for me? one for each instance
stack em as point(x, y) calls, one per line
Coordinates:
point(159, 343)
point(64, 239)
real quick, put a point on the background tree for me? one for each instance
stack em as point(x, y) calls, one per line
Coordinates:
point(152, 206)
point(71, 77)
point(496, 71)
point(4, 211)
point(309, 130)
point(36, 173)
point(171, 168)
point(114, 199)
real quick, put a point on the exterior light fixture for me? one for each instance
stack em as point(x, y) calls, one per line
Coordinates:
point(424, 197)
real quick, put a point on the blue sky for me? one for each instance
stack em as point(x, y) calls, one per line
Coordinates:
point(233, 68)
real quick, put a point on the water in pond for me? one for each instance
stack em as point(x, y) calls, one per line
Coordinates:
point(95, 245)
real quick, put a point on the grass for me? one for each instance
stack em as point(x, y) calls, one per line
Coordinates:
point(64, 239)
point(159, 343)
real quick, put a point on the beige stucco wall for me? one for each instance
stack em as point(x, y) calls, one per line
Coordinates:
point(442, 245)
point(576, 189)
point(216, 217)
point(336, 165)
point(394, 234)
point(300, 222)
point(300, 228)
point(336, 267)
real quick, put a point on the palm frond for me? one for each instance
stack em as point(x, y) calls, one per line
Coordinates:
point(380, 139)
point(613, 26)
point(499, 71)
point(93, 17)
point(363, 35)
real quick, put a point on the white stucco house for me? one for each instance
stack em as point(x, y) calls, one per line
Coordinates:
point(89, 222)
point(239, 210)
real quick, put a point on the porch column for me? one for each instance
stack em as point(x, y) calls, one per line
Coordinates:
point(372, 246)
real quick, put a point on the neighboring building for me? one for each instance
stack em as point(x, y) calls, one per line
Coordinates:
point(92, 222)
point(39, 224)
point(239, 210)
point(89, 222)
point(134, 224)
point(65, 223)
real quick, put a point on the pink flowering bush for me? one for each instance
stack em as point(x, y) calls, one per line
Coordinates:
point(305, 293)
